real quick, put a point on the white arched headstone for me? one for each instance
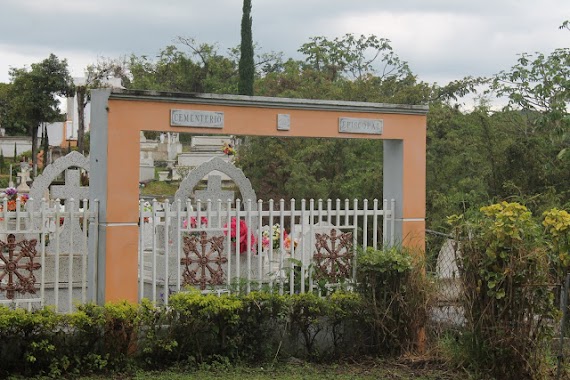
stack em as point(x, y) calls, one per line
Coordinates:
point(72, 189)
point(187, 186)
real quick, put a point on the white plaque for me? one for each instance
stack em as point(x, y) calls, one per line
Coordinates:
point(360, 125)
point(283, 122)
point(190, 118)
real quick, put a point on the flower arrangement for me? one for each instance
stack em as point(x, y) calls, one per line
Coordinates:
point(288, 241)
point(228, 149)
point(11, 194)
point(244, 235)
point(271, 238)
point(193, 224)
point(146, 207)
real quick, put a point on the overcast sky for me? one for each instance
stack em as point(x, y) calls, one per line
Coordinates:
point(442, 40)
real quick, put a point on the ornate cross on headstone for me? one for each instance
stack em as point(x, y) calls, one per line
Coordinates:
point(24, 177)
point(71, 189)
point(214, 192)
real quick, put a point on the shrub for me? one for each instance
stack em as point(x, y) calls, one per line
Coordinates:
point(307, 313)
point(557, 230)
point(193, 329)
point(28, 341)
point(508, 300)
point(106, 333)
point(347, 320)
point(397, 294)
point(262, 326)
point(158, 345)
point(205, 324)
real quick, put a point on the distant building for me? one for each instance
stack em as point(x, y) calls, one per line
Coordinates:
point(60, 134)
point(19, 143)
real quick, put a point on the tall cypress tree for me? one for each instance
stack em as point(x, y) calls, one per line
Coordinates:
point(246, 64)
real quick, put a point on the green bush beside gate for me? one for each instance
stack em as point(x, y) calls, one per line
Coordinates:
point(193, 329)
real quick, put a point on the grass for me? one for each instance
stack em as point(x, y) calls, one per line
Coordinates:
point(375, 369)
point(159, 188)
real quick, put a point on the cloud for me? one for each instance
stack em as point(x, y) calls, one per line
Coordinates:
point(441, 39)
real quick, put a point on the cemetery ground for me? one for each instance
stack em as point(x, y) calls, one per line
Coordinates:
point(400, 369)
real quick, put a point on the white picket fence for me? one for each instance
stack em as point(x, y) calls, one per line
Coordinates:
point(44, 255)
point(44, 258)
point(183, 245)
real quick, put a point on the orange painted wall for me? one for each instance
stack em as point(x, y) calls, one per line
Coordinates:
point(126, 118)
point(121, 274)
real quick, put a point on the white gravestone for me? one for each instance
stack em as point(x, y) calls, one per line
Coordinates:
point(71, 226)
point(24, 177)
point(213, 193)
point(146, 166)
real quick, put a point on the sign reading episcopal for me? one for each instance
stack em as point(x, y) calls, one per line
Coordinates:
point(360, 125)
point(190, 118)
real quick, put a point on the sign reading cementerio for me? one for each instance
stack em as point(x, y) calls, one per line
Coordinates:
point(190, 118)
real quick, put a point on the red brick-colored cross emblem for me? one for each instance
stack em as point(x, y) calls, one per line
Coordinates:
point(203, 260)
point(17, 266)
point(333, 255)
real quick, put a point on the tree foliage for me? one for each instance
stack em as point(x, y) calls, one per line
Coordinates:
point(246, 62)
point(199, 69)
point(33, 95)
point(348, 68)
point(9, 122)
point(95, 77)
point(473, 156)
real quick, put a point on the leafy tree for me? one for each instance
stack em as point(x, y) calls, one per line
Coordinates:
point(538, 82)
point(95, 76)
point(4, 88)
point(191, 66)
point(246, 62)
point(464, 154)
point(203, 69)
point(12, 125)
point(310, 168)
point(354, 57)
point(538, 91)
point(33, 95)
point(347, 68)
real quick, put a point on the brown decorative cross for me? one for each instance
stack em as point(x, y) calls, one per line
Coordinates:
point(14, 263)
point(203, 260)
point(333, 262)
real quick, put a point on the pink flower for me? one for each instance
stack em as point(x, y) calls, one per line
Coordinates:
point(193, 222)
point(265, 242)
point(243, 235)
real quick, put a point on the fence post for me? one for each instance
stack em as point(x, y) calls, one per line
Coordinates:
point(564, 307)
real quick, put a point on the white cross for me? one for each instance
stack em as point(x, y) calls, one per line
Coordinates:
point(71, 189)
point(24, 177)
point(214, 192)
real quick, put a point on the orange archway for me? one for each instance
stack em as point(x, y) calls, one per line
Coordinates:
point(118, 116)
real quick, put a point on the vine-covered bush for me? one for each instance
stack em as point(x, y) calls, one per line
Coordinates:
point(397, 294)
point(506, 270)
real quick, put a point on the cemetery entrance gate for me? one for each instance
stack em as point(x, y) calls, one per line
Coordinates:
point(118, 117)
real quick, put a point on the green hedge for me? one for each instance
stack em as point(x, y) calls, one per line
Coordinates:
point(195, 329)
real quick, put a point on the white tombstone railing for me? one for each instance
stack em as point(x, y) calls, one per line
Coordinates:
point(33, 276)
point(314, 247)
